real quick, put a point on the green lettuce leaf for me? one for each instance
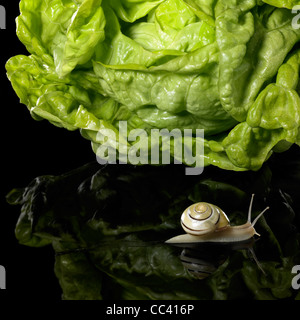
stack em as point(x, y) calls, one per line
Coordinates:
point(67, 31)
point(283, 3)
point(274, 117)
point(165, 64)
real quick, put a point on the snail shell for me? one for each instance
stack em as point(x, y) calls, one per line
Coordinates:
point(202, 218)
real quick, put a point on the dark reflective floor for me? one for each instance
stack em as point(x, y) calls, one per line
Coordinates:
point(107, 226)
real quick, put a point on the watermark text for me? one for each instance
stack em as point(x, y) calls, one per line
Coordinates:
point(2, 278)
point(2, 17)
point(155, 309)
point(139, 146)
point(296, 279)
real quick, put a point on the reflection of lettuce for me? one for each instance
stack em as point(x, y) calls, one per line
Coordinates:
point(228, 67)
point(108, 233)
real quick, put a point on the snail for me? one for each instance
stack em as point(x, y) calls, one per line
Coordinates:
point(205, 222)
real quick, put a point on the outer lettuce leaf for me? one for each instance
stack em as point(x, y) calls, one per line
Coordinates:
point(140, 90)
point(283, 3)
point(164, 64)
point(274, 117)
point(66, 30)
point(50, 98)
point(255, 49)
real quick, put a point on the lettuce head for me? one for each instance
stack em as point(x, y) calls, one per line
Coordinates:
point(229, 67)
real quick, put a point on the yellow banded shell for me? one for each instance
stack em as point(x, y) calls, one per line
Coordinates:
point(202, 218)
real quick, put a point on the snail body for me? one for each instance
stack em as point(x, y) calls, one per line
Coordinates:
point(205, 222)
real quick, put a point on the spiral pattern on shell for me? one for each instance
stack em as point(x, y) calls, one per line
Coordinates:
point(202, 218)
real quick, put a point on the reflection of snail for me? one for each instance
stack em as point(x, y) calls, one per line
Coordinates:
point(201, 263)
point(204, 259)
point(205, 222)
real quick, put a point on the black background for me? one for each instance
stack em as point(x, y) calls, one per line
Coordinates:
point(28, 149)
